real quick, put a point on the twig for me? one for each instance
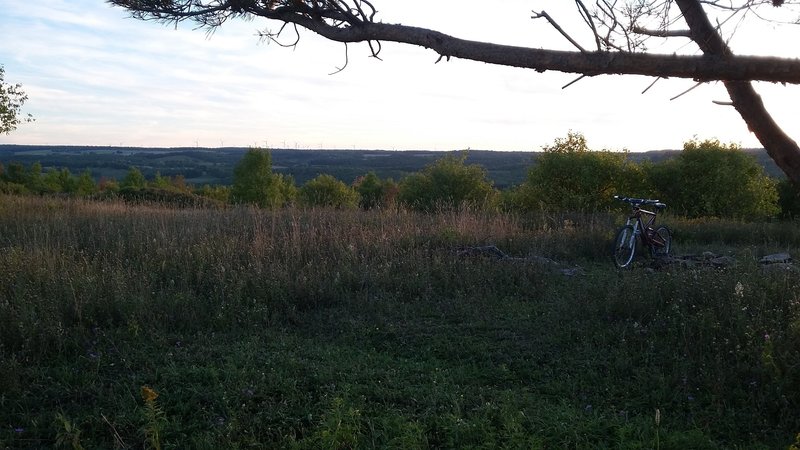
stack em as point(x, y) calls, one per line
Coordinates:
point(346, 61)
point(584, 11)
point(574, 81)
point(555, 25)
point(117, 438)
point(687, 91)
point(651, 84)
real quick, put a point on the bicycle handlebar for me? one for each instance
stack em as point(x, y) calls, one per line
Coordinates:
point(641, 201)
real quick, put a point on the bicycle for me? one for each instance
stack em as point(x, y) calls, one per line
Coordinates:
point(658, 239)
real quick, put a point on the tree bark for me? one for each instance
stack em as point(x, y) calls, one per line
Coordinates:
point(707, 67)
point(780, 147)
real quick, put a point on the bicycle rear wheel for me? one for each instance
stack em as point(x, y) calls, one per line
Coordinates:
point(624, 247)
point(661, 242)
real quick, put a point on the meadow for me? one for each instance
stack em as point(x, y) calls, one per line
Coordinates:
point(138, 325)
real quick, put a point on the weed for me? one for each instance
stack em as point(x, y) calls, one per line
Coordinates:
point(314, 328)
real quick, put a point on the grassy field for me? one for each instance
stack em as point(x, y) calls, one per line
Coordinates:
point(125, 326)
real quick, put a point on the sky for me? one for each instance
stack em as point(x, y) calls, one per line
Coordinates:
point(94, 76)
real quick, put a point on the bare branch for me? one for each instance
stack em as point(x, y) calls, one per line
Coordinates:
point(651, 85)
point(558, 28)
point(686, 91)
point(573, 81)
point(334, 20)
point(661, 33)
point(346, 61)
point(588, 19)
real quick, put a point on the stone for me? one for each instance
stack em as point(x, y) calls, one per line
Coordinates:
point(776, 258)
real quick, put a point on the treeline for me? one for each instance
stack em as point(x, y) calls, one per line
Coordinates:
point(708, 178)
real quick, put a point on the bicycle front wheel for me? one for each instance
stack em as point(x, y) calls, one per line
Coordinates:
point(624, 246)
point(661, 242)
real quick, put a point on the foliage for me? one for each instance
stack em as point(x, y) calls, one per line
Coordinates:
point(254, 183)
point(709, 178)
point(788, 199)
point(448, 183)
point(12, 97)
point(166, 197)
point(18, 179)
point(568, 176)
point(327, 191)
point(216, 192)
point(134, 179)
point(374, 192)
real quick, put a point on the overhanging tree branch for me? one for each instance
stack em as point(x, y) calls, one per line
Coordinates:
point(341, 21)
point(352, 21)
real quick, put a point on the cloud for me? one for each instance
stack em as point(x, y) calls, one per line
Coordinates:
point(96, 77)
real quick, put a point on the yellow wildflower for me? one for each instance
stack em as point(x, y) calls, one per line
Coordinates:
point(148, 394)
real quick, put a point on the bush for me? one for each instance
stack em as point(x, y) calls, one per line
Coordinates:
point(448, 183)
point(374, 192)
point(568, 176)
point(788, 199)
point(134, 179)
point(709, 178)
point(325, 190)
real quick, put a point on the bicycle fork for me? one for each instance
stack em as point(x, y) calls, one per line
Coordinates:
point(636, 232)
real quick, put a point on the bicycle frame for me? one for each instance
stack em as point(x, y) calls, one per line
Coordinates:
point(639, 224)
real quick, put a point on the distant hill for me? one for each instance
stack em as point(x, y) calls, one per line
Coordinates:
point(215, 165)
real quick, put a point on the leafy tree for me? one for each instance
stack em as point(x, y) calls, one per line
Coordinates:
point(617, 31)
point(134, 179)
point(15, 173)
point(52, 182)
point(12, 97)
point(709, 178)
point(448, 183)
point(254, 183)
point(85, 184)
point(33, 179)
point(374, 192)
point(569, 176)
point(327, 191)
point(160, 182)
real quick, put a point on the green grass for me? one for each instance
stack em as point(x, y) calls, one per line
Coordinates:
point(334, 329)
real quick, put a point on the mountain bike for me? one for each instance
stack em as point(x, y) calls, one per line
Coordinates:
point(641, 223)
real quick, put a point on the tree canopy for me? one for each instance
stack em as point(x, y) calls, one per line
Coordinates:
point(619, 29)
point(255, 183)
point(12, 97)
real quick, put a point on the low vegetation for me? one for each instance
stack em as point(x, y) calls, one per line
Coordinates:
point(127, 325)
point(707, 179)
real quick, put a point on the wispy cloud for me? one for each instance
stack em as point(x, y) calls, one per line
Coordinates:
point(96, 77)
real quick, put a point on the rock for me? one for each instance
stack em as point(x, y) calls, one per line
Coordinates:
point(709, 255)
point(779, 267)
point(722, 261)
point(573, 271)
point(776, 258)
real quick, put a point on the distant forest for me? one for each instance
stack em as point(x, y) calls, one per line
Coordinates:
point(215, 165)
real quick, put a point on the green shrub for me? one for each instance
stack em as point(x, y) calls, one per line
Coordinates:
point(448, 183)
point(134, 179)
point(325, 190)
point(709, 178)
point(374, 192)
point(568, 176)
